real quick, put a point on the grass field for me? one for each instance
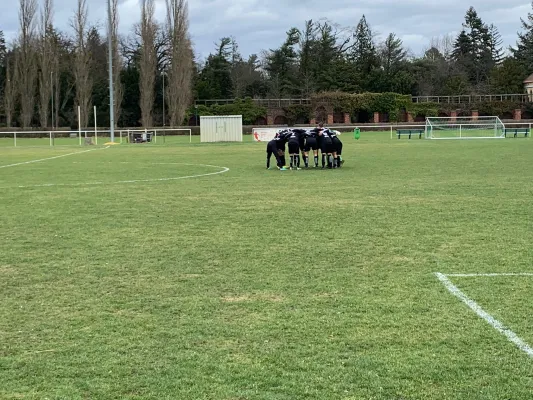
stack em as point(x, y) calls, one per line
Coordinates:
point(123, 276)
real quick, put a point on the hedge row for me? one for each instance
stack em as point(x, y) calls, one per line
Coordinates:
point(392, 104)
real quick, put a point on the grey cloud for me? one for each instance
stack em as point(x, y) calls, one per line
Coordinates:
point(261, 24)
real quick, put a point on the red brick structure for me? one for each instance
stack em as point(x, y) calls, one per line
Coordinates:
point(270, 120)
point(410, 117)
point(517, 115)
point(313, 121)
point(376, 118)
point(475, 115)
point(453, 115)
point(330, 118)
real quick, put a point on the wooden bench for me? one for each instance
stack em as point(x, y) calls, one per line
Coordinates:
point(409, 132)
point(516, 131)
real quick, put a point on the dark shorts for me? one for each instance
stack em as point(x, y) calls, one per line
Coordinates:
point(327, 146)
point(294, 147)
point(310, 143)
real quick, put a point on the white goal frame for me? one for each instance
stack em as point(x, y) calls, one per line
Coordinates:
point(161, 133)
point(462, 126)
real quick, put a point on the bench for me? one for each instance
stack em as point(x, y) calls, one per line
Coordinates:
point(410, 132)
point(516, 131)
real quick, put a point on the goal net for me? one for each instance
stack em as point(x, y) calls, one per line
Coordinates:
point(464, 128)
point(156, 136)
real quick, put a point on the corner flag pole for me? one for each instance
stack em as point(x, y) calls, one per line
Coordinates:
point(110, 56)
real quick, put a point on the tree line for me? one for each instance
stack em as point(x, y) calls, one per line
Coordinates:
point(45, 74)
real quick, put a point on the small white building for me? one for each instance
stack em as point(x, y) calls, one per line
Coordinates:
point(528, 85)
point(221, 128)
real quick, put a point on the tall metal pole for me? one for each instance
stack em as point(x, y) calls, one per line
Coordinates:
point(52, 97)
point(163, 98)
point(111, 92)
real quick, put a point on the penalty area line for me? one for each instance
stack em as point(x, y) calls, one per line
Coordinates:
point(508, 333)
point(49, 158)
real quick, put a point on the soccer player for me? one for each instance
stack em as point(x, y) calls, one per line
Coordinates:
point(326, 147)
point(276, 147)
point(294, 142)
point(311, 143)
point(337, 148)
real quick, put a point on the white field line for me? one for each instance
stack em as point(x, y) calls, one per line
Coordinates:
point(509, 334)
point(494, 274)
point(49, 158)
point(223, 169)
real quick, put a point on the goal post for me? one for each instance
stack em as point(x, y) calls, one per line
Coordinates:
point(156, 136)
point(482, 127)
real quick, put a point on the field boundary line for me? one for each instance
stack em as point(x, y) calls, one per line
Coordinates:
point(508, 333)
point(49, 158)
point(493, 274)
point(223, 169)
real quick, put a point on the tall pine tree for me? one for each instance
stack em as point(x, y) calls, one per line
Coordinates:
point(477, 49)
point(215, 77)
point(282, 66)
point(364, 51)
point(524, 46)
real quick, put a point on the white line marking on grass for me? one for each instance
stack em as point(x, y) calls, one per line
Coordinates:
point(224, 169)
point(494, 274)
point(511, 336)
point(49, 158)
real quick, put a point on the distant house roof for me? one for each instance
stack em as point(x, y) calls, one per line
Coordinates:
point(529, 79)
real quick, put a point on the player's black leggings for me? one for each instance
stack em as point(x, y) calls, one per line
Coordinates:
point(273, 150)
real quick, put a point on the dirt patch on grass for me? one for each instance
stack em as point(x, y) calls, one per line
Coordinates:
point(7, 270)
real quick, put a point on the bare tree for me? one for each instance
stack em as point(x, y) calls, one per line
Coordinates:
point(181, 61)
point(10, 90)
point(82, 63)
point(148, 61)
point(27, 60)
point(117, 61)
point(46, 61)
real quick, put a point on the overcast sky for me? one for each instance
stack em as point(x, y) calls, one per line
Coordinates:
point(261, 24)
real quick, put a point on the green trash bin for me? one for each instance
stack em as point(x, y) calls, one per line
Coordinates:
point(357, 133)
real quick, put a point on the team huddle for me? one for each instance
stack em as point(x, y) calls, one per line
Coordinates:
point(304, 141)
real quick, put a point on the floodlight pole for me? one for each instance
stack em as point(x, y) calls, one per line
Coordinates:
point(163, 75)
point(111, 92)
point(52, 95)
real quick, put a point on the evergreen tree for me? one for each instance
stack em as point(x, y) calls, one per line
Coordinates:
point(325, 55)
point(215, 77)
point(363, 50)
point(282, 67)
point(508, 77)
point(364, 57)
point(524, 46)
point(475, 48)
point(393, 75)
point(392, 54)
point(307, 45)
point(495, 45)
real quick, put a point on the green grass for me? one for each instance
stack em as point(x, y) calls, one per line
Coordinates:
point(256, 284)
